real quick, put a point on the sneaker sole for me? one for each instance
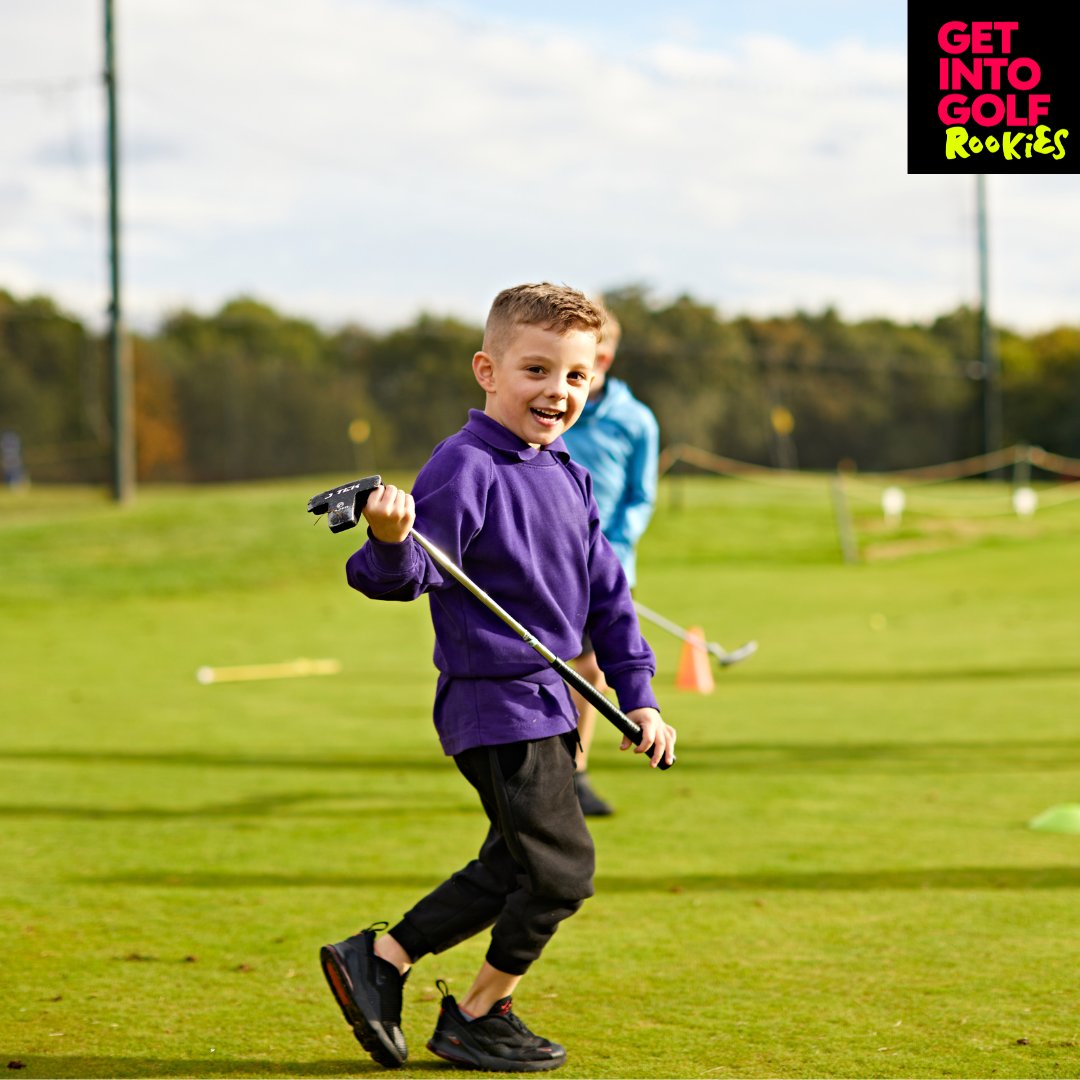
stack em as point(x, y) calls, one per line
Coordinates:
point(483, 1063)
point(368, 1032)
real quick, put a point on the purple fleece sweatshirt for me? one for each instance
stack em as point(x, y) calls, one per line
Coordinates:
point(523, 524)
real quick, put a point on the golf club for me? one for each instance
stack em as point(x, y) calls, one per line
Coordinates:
point(342, 506)
point(725, 658)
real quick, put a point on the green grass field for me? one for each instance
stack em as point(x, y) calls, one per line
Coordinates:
point(835, 880)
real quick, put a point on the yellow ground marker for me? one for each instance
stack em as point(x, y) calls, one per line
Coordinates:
point(289, 669)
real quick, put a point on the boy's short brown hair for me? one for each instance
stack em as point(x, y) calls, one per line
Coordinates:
point(554, 307)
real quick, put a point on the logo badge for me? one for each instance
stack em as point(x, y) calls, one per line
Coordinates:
point(992, 88)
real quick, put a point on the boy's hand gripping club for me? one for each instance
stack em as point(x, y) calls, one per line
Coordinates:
point(342, 505)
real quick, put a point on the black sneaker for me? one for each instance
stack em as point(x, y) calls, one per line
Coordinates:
point(368, 989)
point(497, 1042)
point(591, 803)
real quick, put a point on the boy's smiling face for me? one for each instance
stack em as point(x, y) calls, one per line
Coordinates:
point(539, 384)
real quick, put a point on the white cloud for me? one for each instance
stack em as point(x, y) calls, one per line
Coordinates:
point(361, 159)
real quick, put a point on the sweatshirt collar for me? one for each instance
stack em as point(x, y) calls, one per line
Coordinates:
point(500, 438)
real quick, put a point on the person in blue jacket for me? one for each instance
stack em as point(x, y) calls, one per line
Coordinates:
point(617, 438)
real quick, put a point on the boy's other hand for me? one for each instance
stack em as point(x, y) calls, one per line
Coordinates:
point(655, 734)
point(390, 512)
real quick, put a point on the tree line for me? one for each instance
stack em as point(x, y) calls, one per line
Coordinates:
point(249, 392)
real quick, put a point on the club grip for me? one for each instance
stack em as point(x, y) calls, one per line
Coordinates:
point(602, 704)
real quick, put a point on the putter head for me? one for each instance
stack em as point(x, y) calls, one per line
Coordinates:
point(342, 505)
point(726, 659)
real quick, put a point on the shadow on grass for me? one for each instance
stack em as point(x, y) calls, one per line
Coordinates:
point(929, 675)
point(969, 756)
point(38, 1065)
point(949, 877)
point(202, 759)
point(284, 807)
point(966, 757)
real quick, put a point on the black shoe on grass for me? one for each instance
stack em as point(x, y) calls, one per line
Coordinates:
point(591, 803)
point(496, 1042)
point(368, 990)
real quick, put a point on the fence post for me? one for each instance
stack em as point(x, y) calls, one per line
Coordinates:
point(844, 527)
point(1022, 466)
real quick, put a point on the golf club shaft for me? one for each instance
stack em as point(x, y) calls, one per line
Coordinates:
point(673, 628)
point(711, 647)
point(599, 701)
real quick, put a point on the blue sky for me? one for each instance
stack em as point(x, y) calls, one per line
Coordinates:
point(364, 160)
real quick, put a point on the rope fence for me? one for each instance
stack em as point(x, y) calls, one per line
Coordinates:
point(1015, 457)
point(904, 491)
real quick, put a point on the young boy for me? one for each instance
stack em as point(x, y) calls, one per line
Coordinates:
point(502, 498)
point(618, 441)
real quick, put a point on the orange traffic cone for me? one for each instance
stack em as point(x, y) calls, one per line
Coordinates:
point(695, 672)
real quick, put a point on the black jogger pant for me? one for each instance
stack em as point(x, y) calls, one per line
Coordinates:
point(534, 868)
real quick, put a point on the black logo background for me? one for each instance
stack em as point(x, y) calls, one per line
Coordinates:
point(1044, 35)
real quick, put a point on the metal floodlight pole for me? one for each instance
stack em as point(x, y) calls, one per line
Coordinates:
point(123, 448)
point(991, 368)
